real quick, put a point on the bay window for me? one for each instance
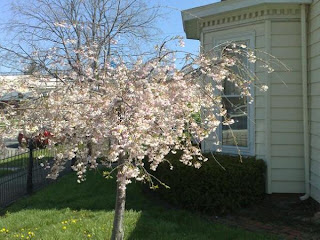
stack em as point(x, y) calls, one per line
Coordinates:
point(239, 136)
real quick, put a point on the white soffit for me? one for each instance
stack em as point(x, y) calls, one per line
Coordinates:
point(194, 14)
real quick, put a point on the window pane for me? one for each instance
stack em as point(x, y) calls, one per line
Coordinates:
point(236, 134)
point(230, 88)
point(239, 70)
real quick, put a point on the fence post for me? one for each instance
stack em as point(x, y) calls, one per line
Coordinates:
point(73, 161)
point(30, 167)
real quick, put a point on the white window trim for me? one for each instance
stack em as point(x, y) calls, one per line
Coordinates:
point(250, 149)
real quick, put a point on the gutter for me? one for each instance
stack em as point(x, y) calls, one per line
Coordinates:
point(191, 17)
point(306, 136)
point(228, 6)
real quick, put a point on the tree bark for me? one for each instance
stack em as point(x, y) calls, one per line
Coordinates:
point(118, 231)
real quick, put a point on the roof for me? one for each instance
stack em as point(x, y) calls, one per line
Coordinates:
point(37, 83)
point(190, 17)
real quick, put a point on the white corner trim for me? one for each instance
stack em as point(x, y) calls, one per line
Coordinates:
point(306, 129)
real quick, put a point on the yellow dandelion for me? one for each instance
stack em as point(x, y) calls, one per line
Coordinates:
point(64, 227)
point(89, 235)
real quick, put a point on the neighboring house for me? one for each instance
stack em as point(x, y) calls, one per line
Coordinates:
point(39, 84)
point(282, 125)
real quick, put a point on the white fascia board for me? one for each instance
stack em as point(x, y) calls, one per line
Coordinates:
point(227, 6)
point(191, 17)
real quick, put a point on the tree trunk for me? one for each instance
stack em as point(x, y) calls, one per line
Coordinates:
point(118, 231)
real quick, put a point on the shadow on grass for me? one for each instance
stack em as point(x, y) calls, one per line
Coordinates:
point(151, 220)
point(95, 194)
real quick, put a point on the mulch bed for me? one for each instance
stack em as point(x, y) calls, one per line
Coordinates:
point(283, 215)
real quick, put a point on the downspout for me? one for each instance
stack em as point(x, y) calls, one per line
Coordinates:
point(268, 126)
point(305, 102)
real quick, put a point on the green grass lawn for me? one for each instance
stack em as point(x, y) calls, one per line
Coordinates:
point(68, 211)
point(20, 162)
point(6, 172)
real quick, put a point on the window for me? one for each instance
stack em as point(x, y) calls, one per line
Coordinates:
point(238, 136)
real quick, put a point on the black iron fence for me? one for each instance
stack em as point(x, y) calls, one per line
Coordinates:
point(22, 173)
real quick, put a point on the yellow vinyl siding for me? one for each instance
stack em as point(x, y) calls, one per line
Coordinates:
point(288, 175)
point(315, 152)
point(260, 114)
point(282, 138)
point(314, 36)
point(282, 28)
point(288, 186)
point(288, 102)
point(313, 50)
point(315, 167)
point(314, 10)
point(314, 22)
point(286, 151)
point(315, 128)
point(260, 137)
point(287, 161)
point(314, 75)
point(282, 40)
point(315, 90)
point(278, 113)
point(282, 77)
point(287, 52)
point(286, 114)
point(287, 126)
point(314, 64)
point(259, 101)
point(282, 90)
point(315, 193)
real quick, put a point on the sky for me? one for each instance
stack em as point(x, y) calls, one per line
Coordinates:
point(170, 26)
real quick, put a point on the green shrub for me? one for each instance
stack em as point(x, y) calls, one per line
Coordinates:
point(212, 189)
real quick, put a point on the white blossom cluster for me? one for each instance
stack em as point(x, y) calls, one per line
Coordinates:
point(129, 116)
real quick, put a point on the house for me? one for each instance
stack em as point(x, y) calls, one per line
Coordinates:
point(282, 126)
point(12, 80)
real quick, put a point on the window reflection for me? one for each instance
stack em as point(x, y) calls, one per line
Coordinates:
point(237, 133)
